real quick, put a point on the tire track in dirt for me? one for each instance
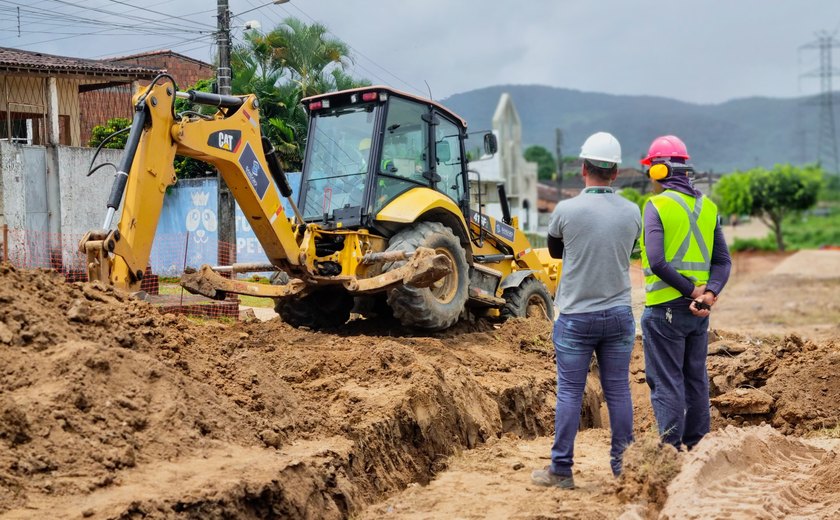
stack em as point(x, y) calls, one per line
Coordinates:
point(755, 473)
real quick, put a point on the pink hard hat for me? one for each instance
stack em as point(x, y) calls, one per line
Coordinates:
point(666, 146)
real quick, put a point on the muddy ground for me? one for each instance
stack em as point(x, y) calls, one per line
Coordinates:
point(110, 409)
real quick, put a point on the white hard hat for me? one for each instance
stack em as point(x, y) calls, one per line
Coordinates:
point(601, 148)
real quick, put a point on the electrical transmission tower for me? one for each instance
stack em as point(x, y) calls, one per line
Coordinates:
point(827, 144)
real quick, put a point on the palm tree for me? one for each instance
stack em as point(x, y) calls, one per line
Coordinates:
point(293, 61)
point(308, 52)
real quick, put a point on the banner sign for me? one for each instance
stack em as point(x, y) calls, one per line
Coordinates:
point(188, 230)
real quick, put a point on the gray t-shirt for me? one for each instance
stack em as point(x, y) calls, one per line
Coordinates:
point(598, 229)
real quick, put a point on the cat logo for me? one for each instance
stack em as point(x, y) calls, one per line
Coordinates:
point(227, 140)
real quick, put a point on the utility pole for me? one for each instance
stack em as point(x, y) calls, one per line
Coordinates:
point(558, 150)
point(827, 144)
point(227, 205)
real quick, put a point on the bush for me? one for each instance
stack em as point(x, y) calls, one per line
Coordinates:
point(800, 232)
point(101, 132)
point(814, 231)
point(767, 243)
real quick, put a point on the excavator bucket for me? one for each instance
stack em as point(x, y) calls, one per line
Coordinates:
point(421, 269)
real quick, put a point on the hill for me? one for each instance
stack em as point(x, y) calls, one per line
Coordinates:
point(737, 134)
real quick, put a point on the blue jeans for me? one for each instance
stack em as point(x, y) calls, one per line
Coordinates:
point(676, 344)
point(610, 335)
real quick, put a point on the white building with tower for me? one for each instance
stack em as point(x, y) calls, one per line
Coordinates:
point(508, 166)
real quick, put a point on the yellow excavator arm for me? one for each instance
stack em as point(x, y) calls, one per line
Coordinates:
point(230, 140)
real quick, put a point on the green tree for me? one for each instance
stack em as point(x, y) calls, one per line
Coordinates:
point(770, 195)
point(185, 167)
point(308, 52)
point(636, 197)
point(733, 194)
point(293, 61)
point(546, 165)
point(101, 132)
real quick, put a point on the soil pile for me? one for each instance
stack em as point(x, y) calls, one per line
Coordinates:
point(112, 410)
point(788, 382)
point(755, 473)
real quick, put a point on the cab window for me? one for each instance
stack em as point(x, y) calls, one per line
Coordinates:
point(403, 159)
point(448, 159)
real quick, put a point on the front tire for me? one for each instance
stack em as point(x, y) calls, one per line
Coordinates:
point(439, 306)
point(530, 299)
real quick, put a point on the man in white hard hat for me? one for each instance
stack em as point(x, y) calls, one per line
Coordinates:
point(594, 233)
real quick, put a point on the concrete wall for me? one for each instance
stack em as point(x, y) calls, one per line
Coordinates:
point(12, 188)
point(83, 198)
point(81, 205)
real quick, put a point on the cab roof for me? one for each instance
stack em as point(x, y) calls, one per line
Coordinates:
point(389, 90)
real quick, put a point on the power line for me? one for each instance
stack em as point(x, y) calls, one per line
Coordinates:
point(172, 46)
point(416, 89)
point(99, 10)
point(154, 27)
point(164, 14)
point(51, 18)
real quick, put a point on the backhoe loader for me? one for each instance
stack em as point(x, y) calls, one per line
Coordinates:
point(382, 222)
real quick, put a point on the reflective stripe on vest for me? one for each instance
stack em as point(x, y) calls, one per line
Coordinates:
point(692, 262)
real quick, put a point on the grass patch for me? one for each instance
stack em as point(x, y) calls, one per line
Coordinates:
point(253, 301)
point(248, 301)
point(811, 230)
point(831, 433)
point(203, 320)
point(767, 243)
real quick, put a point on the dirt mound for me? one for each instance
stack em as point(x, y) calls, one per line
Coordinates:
point(755, 473)
point(789, 382)
point(112, 410)
point(648, 468)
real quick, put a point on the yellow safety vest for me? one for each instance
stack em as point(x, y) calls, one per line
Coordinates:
point(689, 229)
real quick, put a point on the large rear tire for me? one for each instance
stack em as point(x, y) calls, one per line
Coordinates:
point(530, 299)
point(328, 308)
point(439, 306)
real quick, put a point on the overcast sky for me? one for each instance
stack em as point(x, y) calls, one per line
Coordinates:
point(703, 51)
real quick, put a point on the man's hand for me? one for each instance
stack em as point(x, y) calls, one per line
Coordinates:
point(702, 305)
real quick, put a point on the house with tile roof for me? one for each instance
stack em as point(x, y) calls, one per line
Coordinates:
point(86, 92)
point(41, 95)
point(48, 106)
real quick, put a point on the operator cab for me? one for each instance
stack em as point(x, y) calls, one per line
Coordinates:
point(367, 146)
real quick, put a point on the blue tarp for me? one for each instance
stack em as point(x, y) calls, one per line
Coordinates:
point(188, 231)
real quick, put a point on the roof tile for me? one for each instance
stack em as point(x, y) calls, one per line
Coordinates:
point(18, 60)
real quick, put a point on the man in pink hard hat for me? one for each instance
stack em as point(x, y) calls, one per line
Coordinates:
point(686, 264)
point(666, 147)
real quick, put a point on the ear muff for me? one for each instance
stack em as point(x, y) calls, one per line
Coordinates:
point(659, 171)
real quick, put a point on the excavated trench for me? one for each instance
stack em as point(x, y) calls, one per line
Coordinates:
point(411, 442)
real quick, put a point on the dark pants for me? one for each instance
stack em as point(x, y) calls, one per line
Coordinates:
point(676, 344)
point(610, 335)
